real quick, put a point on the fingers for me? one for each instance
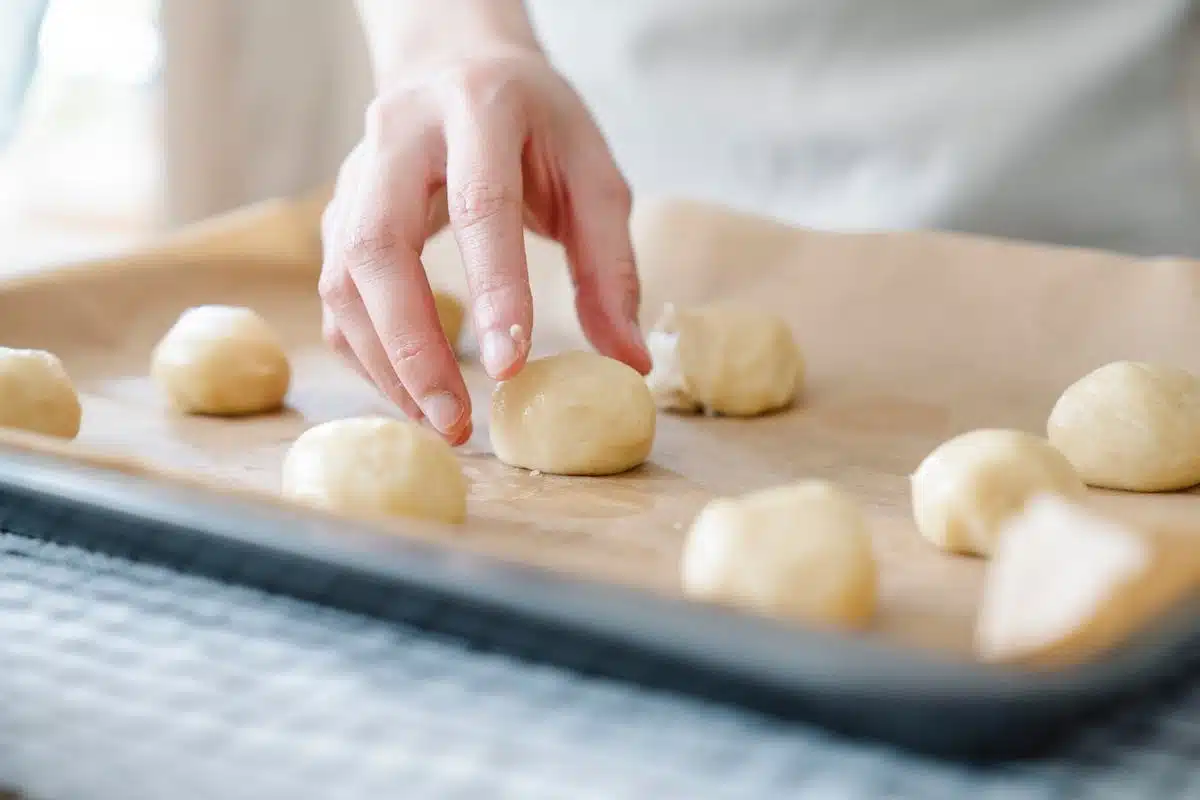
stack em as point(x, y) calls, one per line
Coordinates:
point(484, 191)
point(355, 340)
point(344, 321)
point(380, 313)
point(383, 259)
point(600, 255)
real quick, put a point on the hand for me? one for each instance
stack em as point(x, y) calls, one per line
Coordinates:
point(507, 142)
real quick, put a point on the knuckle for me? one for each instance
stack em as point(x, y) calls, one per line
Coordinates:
point(408, 347)
point(478, 202)
point(479, 83)
point(336, 288)
point(368, 248)
point(403, 120)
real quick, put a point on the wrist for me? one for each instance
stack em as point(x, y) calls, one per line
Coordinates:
point(408, 35)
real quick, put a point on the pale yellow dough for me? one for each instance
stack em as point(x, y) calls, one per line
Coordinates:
point(1133, 426)
point(37, 395)
point(450, 314)
point(221, 360)
point(374, 467)
point(574, 413)
point(966, 489)
point(723, 360)
point(1066, 584)
point(799, 551)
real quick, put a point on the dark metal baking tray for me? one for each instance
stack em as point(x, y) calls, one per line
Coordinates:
point(854, 686)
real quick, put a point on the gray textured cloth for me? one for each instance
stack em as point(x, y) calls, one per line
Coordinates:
point(128, 681)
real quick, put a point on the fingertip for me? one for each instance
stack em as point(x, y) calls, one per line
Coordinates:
point(510, 371)
point(460, 438)
point(639, 359)
point(636, 355)
point(614, 336)
point(504, 352)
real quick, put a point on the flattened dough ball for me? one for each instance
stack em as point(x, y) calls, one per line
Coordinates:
point(222, 360)
point(1066, 584)
point(37, 395)
point(374, 467)
point(574, 413)
point(799, 551)
point(966, 489)
point(1132, 426)
point(723, 360)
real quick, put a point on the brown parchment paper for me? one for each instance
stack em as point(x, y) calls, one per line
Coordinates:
point(910, 339)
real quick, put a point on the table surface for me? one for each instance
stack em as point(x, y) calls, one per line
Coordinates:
point(128, 681)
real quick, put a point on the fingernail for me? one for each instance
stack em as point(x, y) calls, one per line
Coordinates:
point(499, 352)
point(443, 410)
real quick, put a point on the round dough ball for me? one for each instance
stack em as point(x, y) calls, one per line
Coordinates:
point(966, 489)
point(222, 360)
point(1131, 426)
point(723, 360)
point(374, 468)
point(450, 314)
point(798, 551)
point(37, 395)
point(573, 414)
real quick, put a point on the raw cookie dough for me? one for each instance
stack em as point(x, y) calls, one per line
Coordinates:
point(37, 395)
point(798, 551)
point(574, 413)
point(966, 489)
point(221, 360)
point(1066, 584)
point(723, 360)
point(450, 314)
point(1131, 426)
point(374, 467)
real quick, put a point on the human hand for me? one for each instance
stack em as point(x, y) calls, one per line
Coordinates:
point(507, 143)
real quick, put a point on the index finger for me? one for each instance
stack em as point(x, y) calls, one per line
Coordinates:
point(385, 263)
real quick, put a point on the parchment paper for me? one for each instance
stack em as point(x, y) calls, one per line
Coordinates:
point(910, 339)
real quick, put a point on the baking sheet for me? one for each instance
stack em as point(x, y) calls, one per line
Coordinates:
point(910, 339)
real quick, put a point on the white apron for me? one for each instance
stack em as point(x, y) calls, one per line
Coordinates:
point(1065, 121)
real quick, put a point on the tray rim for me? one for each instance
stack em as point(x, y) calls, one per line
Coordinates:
point(734, 642)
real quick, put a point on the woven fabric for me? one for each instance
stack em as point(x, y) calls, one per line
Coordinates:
point(128, 681)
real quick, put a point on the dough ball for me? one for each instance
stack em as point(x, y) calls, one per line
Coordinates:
point(450, 313)
point(222, 360)
point(573, 414)
point(723, 360)
point(37, 395)
point(374, 468)
point(966, 489)
point(1066, 584)
point(798, 551)
point(1131, 426)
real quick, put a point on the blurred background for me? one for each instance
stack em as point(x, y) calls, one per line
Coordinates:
point(121, 117)
point(80, 165)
